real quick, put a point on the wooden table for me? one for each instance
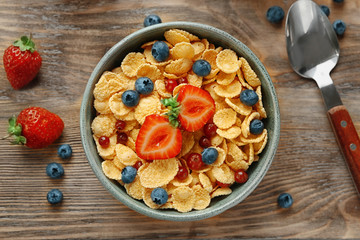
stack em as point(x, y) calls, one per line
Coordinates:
point(72, 36)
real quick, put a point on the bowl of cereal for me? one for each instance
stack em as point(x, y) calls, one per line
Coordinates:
point(180, 121)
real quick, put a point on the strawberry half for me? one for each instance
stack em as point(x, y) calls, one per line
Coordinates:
point(197, 107)
point(157, 139)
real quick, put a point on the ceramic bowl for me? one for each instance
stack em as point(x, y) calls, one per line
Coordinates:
point(256, 171)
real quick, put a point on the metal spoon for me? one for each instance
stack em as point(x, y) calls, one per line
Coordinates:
point(313, 51)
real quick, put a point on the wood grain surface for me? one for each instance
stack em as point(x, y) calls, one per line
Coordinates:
point(72, 36)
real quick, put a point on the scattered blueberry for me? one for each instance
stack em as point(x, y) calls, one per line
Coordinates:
point(256, 126)
point(54, 170)
point(201, 68)
point(325, 9)
point(339, 27)
point(339, 1)
point(54, 196)
point(275, 14)
point(151, 20)
point(209, 155)
point(285, 200)
point(65, 151)
point(159, 196)
point(249, 97)
point(128, 174)
point(160, 51)
point(144, 85)
point(130, 98)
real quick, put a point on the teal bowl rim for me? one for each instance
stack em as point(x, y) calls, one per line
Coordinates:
point(256, 173)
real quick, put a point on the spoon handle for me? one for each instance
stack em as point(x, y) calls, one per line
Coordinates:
point(348, 140)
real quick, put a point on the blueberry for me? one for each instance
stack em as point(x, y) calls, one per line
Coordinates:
point(339, 1)
point(256, 126)
point(159, 196)
point(249, 97)
point(339, 27)
point(128, 174)
point(285, 200)
point(65, 151)
point(325, 9)
point(54, 170)
point(54, 196)
point(130, 98)
point(275, 14)
point(201, 68)
point(209, 155)
point(160, 51)
point(151, 20)
point(144, 85)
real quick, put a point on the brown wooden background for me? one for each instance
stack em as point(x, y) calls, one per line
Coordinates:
point(72, 36)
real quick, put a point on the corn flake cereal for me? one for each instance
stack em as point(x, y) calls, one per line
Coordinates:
point(228, 91)
point(131, 63)
point(227, 61)
point(224, 118)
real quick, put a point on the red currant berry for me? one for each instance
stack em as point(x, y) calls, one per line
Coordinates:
point(222, 184)
point(194, 161)
point(170, 84)
point(182, 80)
point(138, 164)
point(204, 142)
point(104, 141)
point(182, 173)
point(122, 138)
point(241, 176)
point(210, 130)
point(120, 125)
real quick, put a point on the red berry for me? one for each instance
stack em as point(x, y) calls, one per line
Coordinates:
point(241, 176)
point(104, 141)
point(122, 138)
point(223, 185)
point(182, 173)
point(138, 164)
point(194, 161)
point(182, 80)
point(120, 125)
point(204, 142)
point(210, 130)
point(170, 84)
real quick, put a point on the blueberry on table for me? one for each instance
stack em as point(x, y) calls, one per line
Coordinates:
point(201, 68)
point(275, 14)
point(249, 97)
point(256, 126)
point(325, 9)
point(209, 155)
point(144, 85)
point(338, 1)
point(54, 196)
point(54, 170)
point(151, 20)
point(128, 174)
point(285, 200)
point(65, 151)
point(159, 196)
point(130, 98)
point(160, 51)
point(339, 27)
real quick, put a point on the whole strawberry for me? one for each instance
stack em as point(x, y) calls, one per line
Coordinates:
point(21, 62)
point(35, 127)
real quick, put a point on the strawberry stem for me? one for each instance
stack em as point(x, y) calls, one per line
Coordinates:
point(15, 130)
point(174, 109)
point(25, 43)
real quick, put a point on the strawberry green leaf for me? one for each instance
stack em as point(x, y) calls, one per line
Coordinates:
point(19, 140)
point(14, 128)
point(174, 109)
point(25, 43)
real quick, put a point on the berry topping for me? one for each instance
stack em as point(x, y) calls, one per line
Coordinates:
point(151, 20)
point(182, 80)
point(54, 170)
point(194, 161)
point(170, 84)
point(325, 9)
point(204, 142)
point(121, 138)
point(201, 68)
point(249, 97)
point(275, 14)
point(120, 125)
point(338, 1)
point(339, 27)
point(104, 141)
point(241, 176)
point(209, 155)
point(223, 185)
point(128, 174)
point(285, 200)
point(159, 196)
point(210, 130)
point(54, 196)
point(138, 164)
point(130, 98)
point(65, 151)
point(256, 126)
point(144, 85)
point(182, 173)
point(160, 51)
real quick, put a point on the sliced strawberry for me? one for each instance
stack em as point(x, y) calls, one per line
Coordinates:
point(157, 139)
point(197, 107)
